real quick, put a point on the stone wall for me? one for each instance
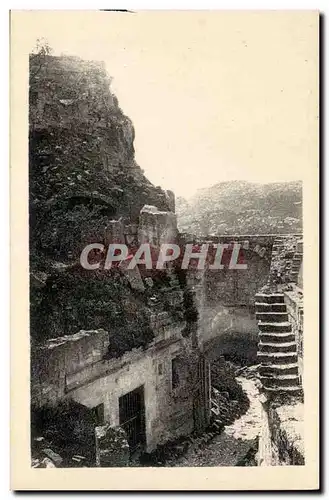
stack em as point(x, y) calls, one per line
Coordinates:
point(279, 309)
point(76, 369)
point(294, 302)
point(234, 287)
point(54, 360)
point(166, 415)
point(282, 437)
point(237, 287)
point(226, 297)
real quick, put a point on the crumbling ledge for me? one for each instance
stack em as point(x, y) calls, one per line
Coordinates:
point(281, 442)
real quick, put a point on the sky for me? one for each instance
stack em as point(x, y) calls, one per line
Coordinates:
point(214, 96)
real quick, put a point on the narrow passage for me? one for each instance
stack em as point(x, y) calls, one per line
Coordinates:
point(232, 446)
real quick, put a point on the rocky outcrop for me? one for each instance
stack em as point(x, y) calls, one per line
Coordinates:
point(86, 187)
point(82, 167)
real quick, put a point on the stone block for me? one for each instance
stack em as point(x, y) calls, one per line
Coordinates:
point(54, 457)
point(112, 449)
point(156, 227)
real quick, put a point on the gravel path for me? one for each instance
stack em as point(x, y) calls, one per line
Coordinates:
point(235, 440)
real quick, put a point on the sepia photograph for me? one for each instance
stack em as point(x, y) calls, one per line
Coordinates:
point(170, 178)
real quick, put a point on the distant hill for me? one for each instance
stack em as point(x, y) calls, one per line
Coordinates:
point(241, 207)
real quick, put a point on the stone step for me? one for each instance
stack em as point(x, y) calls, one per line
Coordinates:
point(296, 260)
point(299, 247)
point(277, 357)
point(294, 272)
point(280, 381)
point(284, 327)
point(277, 369)
point(284, 390)
point(267, 317)
point(263, 307)
point(295, 269)
point(270, 298)
point(277, 347)
point(271, 337)
point(214, 403)
point(297, 257)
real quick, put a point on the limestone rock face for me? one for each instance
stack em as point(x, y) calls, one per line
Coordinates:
point(84, 187)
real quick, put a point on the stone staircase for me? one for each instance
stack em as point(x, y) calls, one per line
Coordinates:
point(277, 351)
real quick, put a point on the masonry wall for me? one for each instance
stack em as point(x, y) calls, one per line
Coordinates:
point(54, 360)
point(237, 287)
point(233, 288)
point(294, 302)
point(168, 412)
point(282, 436)
point(227, 296)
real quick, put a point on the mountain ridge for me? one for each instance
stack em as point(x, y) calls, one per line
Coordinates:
point(242, 207)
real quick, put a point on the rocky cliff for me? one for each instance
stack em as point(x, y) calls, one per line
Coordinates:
point(82, 176)
point(82, 165)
